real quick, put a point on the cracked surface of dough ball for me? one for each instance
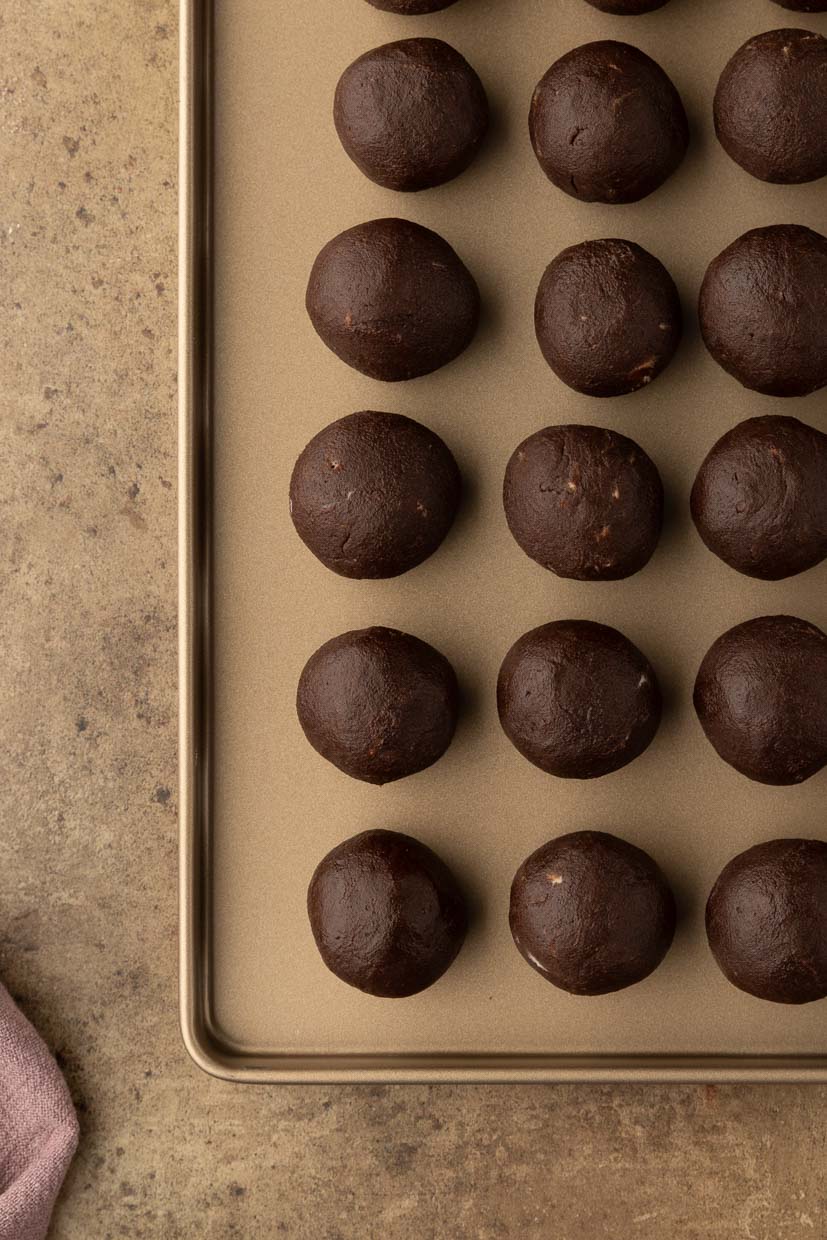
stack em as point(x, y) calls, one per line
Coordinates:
point(763, 310)
point(591, 913)
point(583, 502)
point(387, 914)
point(761, 698)
point(607, 124)
point(759, 501)
point(378, 704)
point(374, 494)
point(392, 299)
point(578, 699)
point(607, 317)
point(411, 114)
point(771, 104)
point(411, 8)
point(766, 921)
point(627, 8)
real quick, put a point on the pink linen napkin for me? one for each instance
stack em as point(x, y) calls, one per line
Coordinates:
point(38, 1128)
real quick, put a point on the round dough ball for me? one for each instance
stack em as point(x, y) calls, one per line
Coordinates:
point(585, 503)
point(760, 498)
point(387, 914)
point(770, 106)
point(763, 310)
point(627, 8)
point(607, 317)
point(374, 494)
point(411, 114)
point(392, 299)
point(378, 704)
point(411, 8)
point(606, 123)
point(761, 698)
point(591, 913)
point(578, 699)
point(804, 6)
point(766, 920)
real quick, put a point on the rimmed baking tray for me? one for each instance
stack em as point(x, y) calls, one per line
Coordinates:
point(264, 184)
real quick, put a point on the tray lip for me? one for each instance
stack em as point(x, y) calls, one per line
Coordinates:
point(192, 221)
point(202, 1043)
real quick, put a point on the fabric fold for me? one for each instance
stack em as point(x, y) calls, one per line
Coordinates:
point(38, 1127)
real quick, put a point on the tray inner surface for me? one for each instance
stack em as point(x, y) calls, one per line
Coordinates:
point(283, 188)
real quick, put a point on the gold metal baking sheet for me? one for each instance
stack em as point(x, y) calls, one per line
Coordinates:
point(264, 185)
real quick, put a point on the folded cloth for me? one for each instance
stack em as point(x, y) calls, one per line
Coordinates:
point(38, 1128)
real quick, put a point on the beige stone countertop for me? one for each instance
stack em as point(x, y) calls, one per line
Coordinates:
point(88, 186)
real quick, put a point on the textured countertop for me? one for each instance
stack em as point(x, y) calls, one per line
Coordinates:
point(88, 97)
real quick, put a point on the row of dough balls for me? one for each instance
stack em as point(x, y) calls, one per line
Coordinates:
point(395, 301)
point(577, 699)
point(590, 912)
point(622, 8)
point(373, 495)
point(606, 122)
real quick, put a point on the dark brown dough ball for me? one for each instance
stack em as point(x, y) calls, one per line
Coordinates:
point(374, 494)
point(378, 704)
point(760, 497)
point(766, 920)
point(606, 123)
point(387, 914)
point(607, 317)
point(771, 104)
point(763, 310)
point(411, 114)
point(392, 299)
point(627, 8)
point(804, 6)
point(411, 8)
point(584, 502)
point(591, 913)
point(761, 698)
point(578, 699)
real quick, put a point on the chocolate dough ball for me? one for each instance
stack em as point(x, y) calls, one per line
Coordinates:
point(386, 913)
point(584, 502)
point(761, 698)
point(606, 123)
point(771, 103)
point(392, 299)
point(607, 317)
point(760, 498)
point(763, 310)
point(378, 704)
point(578, 699)
point(804, 6)
point(766, 920)
point(411, 8)
point(627, 8)
point(591, 913)
point(374, 494)
point(411, 114)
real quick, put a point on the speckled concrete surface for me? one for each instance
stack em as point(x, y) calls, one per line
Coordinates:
point(88, 768)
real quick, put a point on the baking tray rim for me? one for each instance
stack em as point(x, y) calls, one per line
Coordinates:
point(203, 1043)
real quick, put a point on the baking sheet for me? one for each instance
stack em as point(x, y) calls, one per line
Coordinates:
point(260, 806)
